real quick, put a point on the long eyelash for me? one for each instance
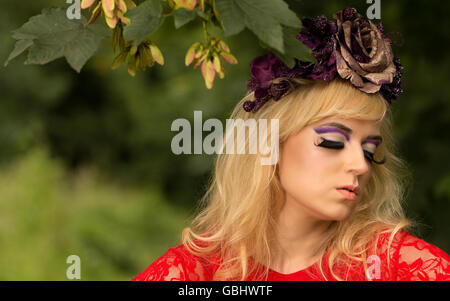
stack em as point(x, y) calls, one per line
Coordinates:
point(340, 145)
point(368, 155)
point(331, 144)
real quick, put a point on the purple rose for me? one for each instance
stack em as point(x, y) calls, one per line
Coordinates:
point(392, 91)
point(317, 34)
point(363, 54)
point(266, 68)
point(268, 79)
point(351, 46)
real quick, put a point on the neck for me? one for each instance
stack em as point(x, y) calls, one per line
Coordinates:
point(299, 237)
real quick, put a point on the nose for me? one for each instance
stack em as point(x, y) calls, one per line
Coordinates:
point(356, 162)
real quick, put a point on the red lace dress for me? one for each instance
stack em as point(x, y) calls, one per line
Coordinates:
point(410, 258)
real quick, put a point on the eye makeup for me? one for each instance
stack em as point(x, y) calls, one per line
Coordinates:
point(323, 130)
point(340, 145)
point(331, 144)
point(374, 140)
point(336, 127)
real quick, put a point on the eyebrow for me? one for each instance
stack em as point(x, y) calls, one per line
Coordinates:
point(346, 131)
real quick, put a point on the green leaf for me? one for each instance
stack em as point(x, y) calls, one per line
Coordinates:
point(19, 47)
point(52, 35)
point(275, 9)
point(183, 16)
point(262, 17)
point(145, 19)
point(231, 15)
point(202, 14)
point(267, 30)
point(293, 48)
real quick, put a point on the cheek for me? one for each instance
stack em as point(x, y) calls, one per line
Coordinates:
point(303, 169)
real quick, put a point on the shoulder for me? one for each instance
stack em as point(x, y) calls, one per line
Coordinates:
point(416, 259)
point(177, 264)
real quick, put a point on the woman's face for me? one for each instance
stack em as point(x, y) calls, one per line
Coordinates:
point(322, 158)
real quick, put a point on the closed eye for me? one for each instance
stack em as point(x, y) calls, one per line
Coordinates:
point(331, 144)
point(340, 145)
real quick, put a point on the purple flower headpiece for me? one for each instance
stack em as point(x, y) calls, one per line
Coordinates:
point(350, 46)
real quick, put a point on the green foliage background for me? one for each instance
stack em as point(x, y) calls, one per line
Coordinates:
point(86, 166)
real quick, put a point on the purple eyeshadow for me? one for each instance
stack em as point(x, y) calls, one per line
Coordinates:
point(321, 130)
point(376, 143)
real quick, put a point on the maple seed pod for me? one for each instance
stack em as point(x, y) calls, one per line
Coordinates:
point(86, 3)
point(132, 66)
point(137, 61)
point(200, 60)
point(112, 22)
point(156, 54)
point(130, 4)
point(119, 60)
point(190, 54)
point(228, 57)
point(121, 5)
point(203, 70)
point(113, 10)
point(217, 63)
point(147, 57)
point(223, 46)
point(208, 73)
point(121, 40)
point(171, 4)
point(143, 62)
point(199, 52)
point(221, 73)
point(108, 7)
point(122, 18)
point(117, 38)
point(186, 4)
point(133, 50)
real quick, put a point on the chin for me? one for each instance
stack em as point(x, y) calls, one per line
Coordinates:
point(339, 214)
point(341, 217)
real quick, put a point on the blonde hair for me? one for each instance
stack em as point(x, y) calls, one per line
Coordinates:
point(237, 215)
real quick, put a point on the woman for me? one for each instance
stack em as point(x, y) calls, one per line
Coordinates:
point(331, 208)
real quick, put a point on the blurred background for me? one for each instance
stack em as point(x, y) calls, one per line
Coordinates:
point(86, 166)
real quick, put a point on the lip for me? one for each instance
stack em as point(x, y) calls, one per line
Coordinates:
point(353, 188)
point(347, 194)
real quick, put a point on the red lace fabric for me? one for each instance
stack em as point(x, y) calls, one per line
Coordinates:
point(408, 259)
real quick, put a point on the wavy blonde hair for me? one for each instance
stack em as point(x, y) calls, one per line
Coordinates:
point(237, 216)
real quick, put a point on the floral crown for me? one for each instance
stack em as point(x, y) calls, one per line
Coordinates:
point(350, 46)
